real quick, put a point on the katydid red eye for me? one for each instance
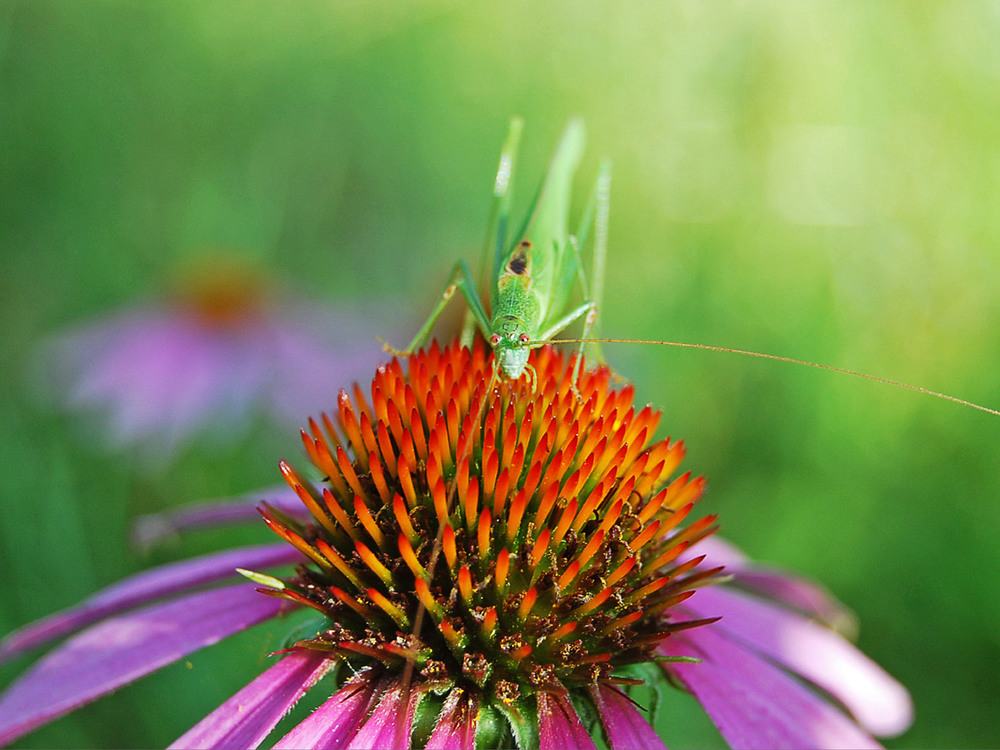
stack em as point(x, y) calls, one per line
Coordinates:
point(524, 338)
point(494, 339)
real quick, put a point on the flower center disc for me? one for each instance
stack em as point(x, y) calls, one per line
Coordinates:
point(505, 541)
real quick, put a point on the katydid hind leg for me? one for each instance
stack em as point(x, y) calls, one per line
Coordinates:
point(603, 198)
point(596, 213)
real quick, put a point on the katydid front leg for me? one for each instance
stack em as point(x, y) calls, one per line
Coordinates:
point(461, 280)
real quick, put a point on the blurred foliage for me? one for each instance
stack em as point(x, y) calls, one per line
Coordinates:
point(818, 180)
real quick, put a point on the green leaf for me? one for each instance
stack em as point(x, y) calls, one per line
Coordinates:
point(522, 716)
point(263, 579)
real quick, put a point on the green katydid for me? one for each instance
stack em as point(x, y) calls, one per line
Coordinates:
point(532, 278)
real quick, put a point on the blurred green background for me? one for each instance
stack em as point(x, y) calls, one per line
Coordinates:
point(817, 180)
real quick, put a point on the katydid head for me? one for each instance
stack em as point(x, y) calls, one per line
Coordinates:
point(510, 348)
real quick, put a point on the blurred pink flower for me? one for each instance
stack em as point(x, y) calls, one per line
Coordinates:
point(221, 350)
point(523, 620)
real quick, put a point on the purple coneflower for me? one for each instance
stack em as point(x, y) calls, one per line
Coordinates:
point(223, 346)
point(490, 565)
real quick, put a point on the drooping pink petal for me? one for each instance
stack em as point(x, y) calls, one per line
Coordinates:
point(625, 726)
point(752, 702)
point(390, 723)
point(800, 593)
point(125, 648)
point(153, 529)
point(456, 725)
point(145, 587)
point(558, 724)
point(797, 592)
point(717, 551)
point(879, 702)
point(248, 717)
point(334, 724)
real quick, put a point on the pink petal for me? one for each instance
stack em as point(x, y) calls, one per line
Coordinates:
point(248, 717)
point(717, 551)
point(753, 703)
point(625, 726)
point(122, 649)
point(799, 593)
point(456, 725)
point(153, 529)
point(879, 702)
point(145, 587)
point(335, 723)
point(174, 381)
point(159, 375)
point(795, 591)
point(558, 724)
point(390, 724)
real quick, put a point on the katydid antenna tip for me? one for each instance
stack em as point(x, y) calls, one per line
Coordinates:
point(779, 358)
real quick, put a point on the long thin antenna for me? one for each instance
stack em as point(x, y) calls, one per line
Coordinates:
point(792, 360)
